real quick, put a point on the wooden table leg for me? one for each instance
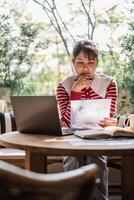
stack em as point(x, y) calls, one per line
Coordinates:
point(128, 178)
point(36, 162)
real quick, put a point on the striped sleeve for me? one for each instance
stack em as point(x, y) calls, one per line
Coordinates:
point(64, 105)
point(112, 94)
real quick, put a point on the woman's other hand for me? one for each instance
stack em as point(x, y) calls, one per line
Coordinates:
point(108, 122)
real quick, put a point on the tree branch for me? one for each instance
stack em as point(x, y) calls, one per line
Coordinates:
point(63, 23)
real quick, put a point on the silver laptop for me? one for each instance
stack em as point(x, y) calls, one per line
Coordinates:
point(37, 115)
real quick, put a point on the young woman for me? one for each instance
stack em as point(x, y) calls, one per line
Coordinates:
point(87, 84)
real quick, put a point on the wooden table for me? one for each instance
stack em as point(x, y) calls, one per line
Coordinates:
point(38, 147)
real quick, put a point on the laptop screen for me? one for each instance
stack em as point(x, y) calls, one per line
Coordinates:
point(36, 114)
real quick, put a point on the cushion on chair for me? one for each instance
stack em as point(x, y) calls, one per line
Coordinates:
point(7, 122)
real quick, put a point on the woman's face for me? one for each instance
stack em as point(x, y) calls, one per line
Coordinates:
point(85, 66)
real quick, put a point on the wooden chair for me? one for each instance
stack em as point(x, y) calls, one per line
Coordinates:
point(11, 155)
point(14, 156)
point(115, 170)
point(19, 184)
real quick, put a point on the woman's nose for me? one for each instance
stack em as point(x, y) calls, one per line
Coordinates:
point(85, 68)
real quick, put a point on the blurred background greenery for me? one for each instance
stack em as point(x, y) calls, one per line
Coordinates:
point(37, 36)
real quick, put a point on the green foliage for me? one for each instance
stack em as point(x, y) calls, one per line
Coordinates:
point(15, 60)
point(127, 43)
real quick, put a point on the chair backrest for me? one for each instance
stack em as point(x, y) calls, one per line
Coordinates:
point(17, 183)
point(7, 122)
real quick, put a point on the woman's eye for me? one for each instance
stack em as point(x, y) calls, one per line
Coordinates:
point(80, 63)
point(90, 63)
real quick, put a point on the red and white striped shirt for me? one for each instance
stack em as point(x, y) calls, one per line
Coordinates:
point(64, 100)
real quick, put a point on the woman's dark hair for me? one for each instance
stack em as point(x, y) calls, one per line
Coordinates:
point(88, 47)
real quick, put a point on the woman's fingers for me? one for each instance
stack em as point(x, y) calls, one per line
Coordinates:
point(108, 122)
point(80, 83)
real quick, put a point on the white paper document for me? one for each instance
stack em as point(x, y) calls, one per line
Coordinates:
point(86, 114)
